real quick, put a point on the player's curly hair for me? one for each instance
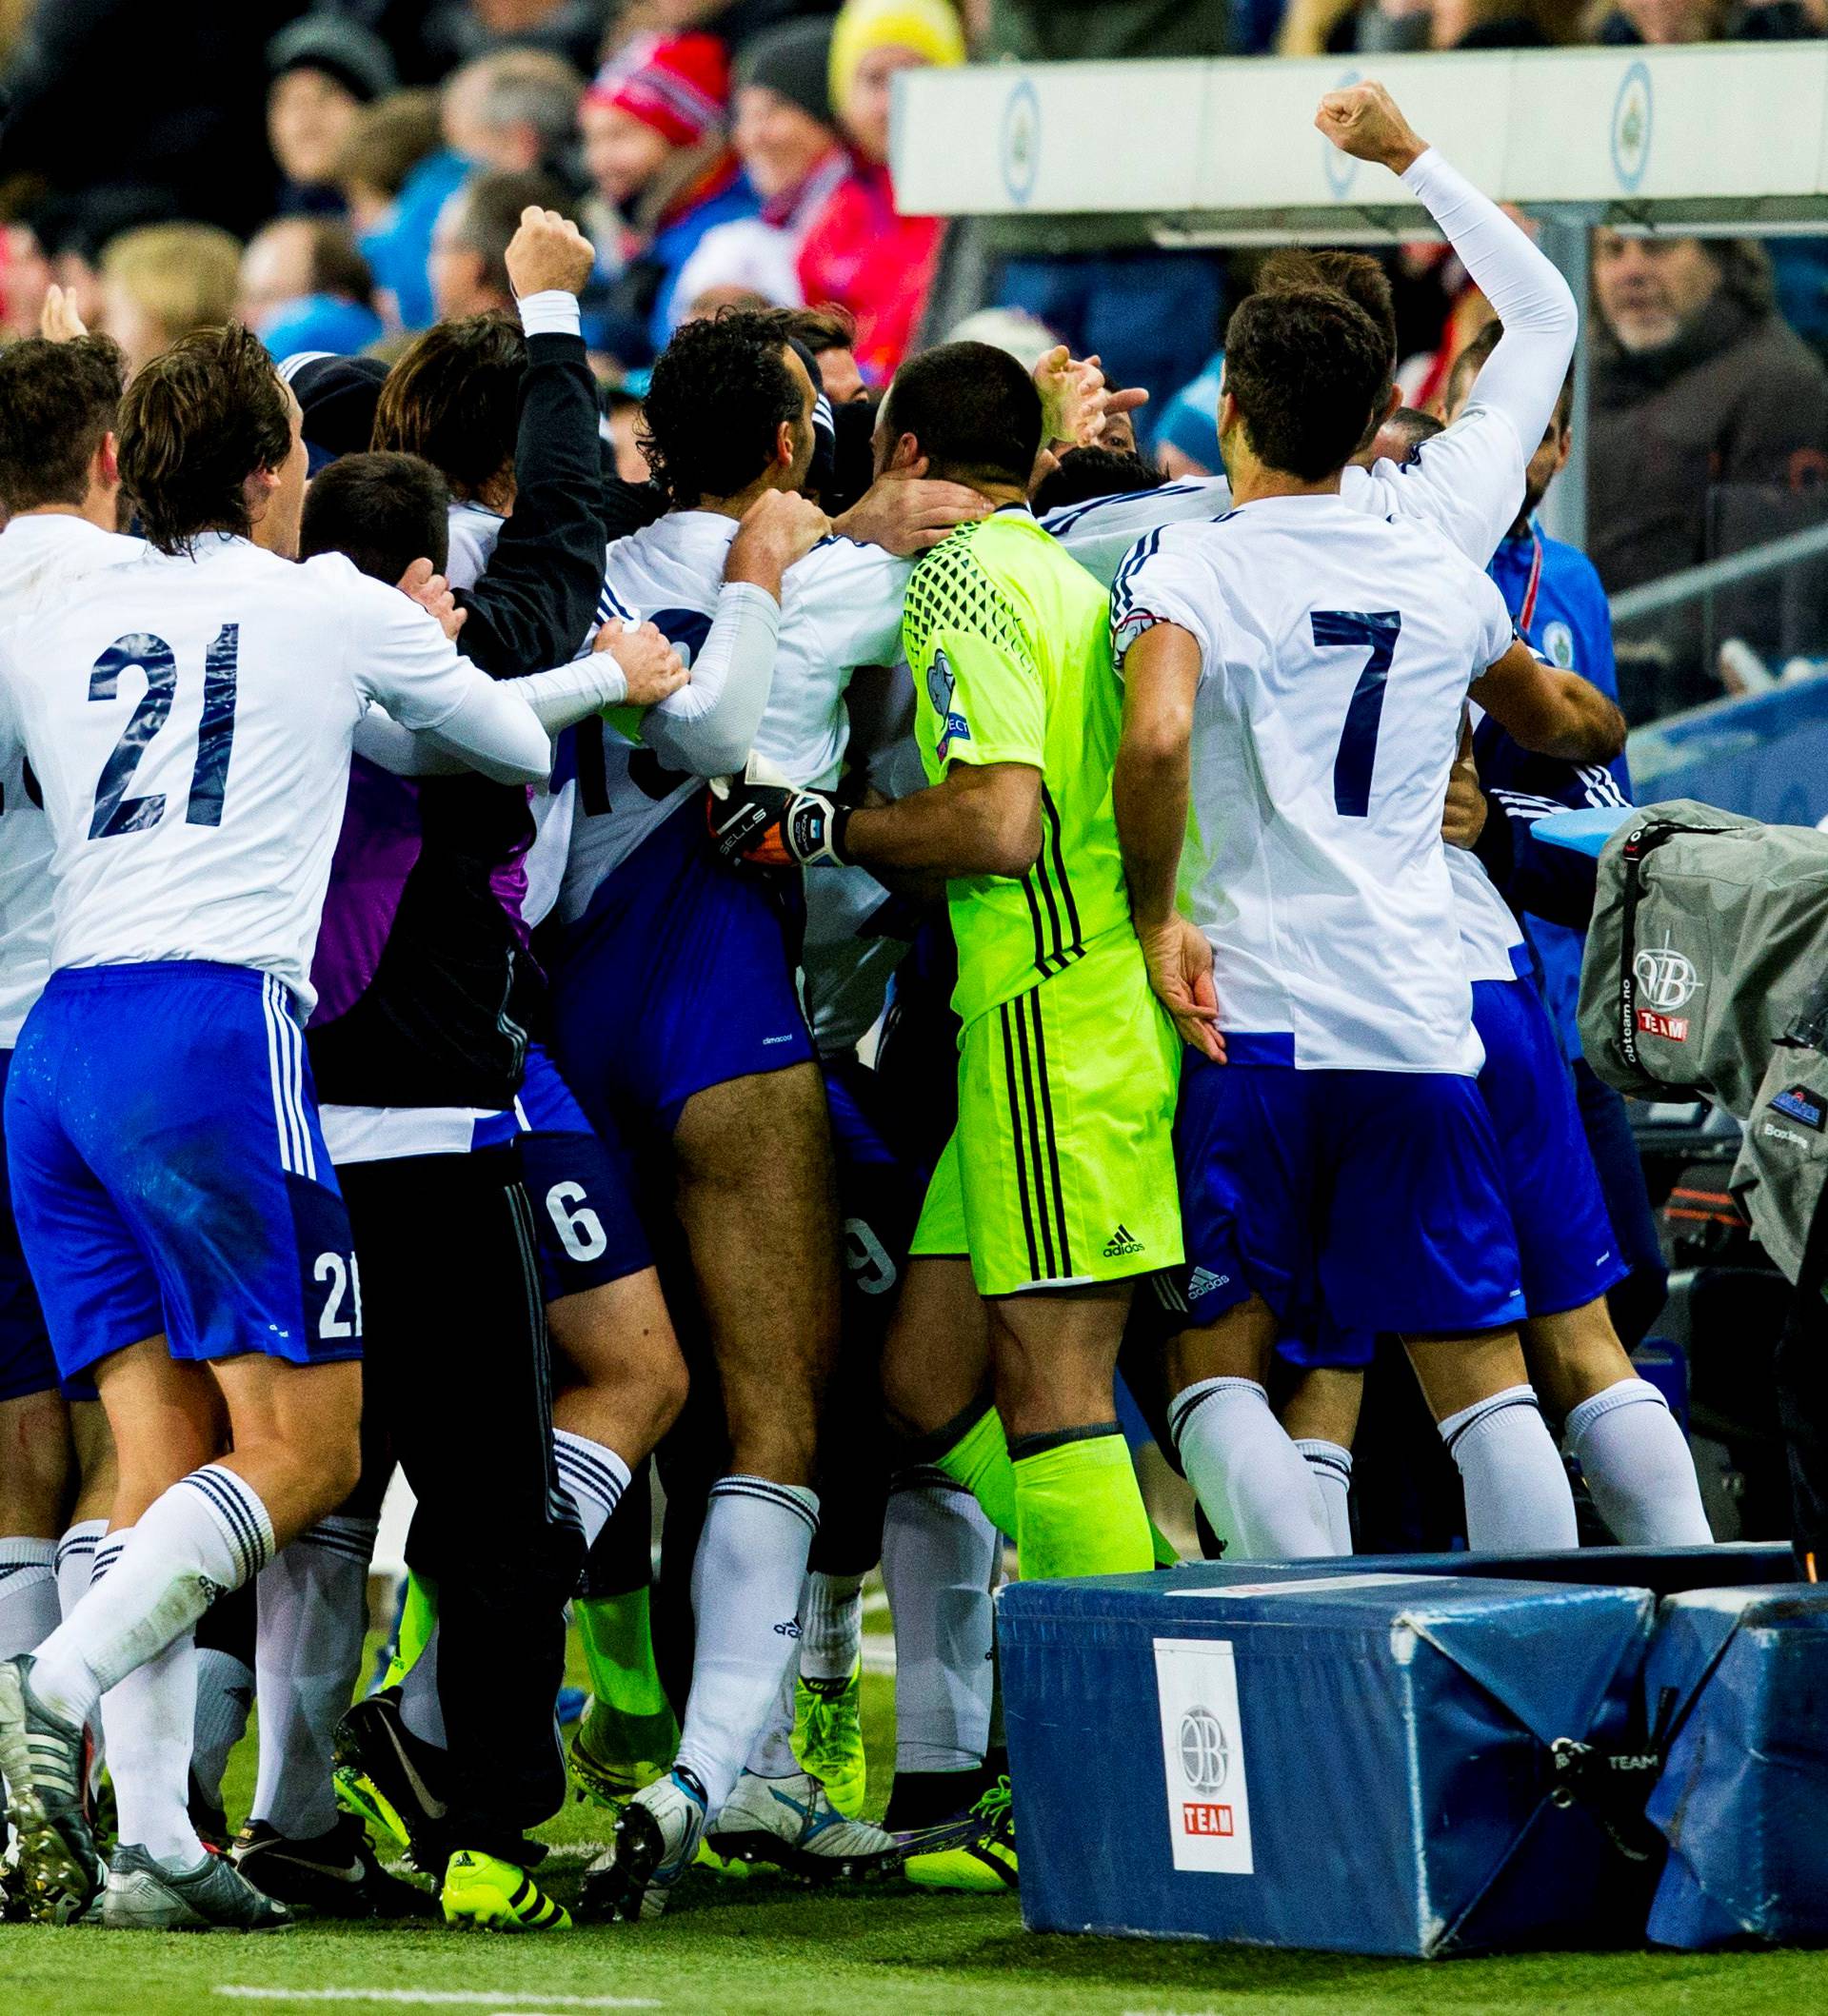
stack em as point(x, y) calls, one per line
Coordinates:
point(713, 413)
point(196, 422)
point(58, 402)
point(454, 400)
point(1305, 365)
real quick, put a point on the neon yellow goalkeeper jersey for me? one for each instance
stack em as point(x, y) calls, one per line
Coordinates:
point(1008, 639)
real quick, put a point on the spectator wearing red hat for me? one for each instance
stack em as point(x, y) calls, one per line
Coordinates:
point(656, 140)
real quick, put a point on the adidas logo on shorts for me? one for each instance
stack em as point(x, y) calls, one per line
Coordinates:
point(1203, 1281)
point(1122, 1244)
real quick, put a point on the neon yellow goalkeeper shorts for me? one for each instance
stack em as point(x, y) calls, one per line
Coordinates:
point(1061, 1170)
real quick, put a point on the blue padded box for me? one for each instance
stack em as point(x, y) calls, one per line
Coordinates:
point(1739, 1679)
point(1664, 1571)
point(1317, 1756)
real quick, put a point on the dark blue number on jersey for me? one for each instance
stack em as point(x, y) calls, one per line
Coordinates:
point(114, 811)
point(685, 630)
point(1358, 753)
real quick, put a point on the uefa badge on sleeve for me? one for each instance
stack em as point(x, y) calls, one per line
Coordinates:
point(941, 684)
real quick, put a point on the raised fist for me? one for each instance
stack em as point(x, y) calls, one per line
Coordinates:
point(547, 251)
point(1364, 120)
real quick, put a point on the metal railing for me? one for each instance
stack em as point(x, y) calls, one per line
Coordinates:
point(1690, 583)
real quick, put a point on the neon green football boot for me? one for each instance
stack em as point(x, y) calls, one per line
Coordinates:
point(985, 1860)
point(483, 1892)
point(828, 1737)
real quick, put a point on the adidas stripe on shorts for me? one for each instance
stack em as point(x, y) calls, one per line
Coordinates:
point(169, 1171)
point(1061, 1170)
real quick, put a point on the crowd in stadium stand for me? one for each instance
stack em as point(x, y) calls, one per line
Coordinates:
point(737, 150)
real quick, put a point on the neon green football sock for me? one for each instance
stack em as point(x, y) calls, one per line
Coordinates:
point(418, 1619)
point(619, 1652)
point(1167, 1555)
point(979, 1461)
point(1079, 1511)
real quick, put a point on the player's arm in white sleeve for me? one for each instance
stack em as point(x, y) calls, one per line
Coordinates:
point(1523, 376)
point(12, 739)
point(1102, 532)
point(707, 728)
point(1551, 712)
point(1469, 479)
point(400, 657)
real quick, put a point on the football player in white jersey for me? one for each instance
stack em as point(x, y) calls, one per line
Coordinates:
point(1615, 1423)
point(638, 1025)
point(189, 716)
point(659, 937)
point(1294, 675)
point(59, 489)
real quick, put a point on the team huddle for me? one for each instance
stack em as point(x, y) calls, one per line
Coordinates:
point(434, 961)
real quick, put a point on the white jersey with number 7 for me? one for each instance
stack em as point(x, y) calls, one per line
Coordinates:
point(1336, 649)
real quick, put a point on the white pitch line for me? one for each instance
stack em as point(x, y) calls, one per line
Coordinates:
point(469, 1998)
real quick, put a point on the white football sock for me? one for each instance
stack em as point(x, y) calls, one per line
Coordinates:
point(771, 1754)
point(148, 1717)
point(313, 1615)
point(28, 1611)
point(1245, 1472)
point(1518, 1497)
point(747, 1581)
point(831, 1625)
point(940, 1559)
point(225, 1697)
point(595, 1477)
point(77, 1561)
point(1641, 1477)
point(209, 1532)
point(420, 1708)
point(1331, 1463)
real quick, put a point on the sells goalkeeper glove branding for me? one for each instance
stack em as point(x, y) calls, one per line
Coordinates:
point(1202, 1752)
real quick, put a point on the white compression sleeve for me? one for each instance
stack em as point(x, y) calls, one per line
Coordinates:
point(706, 726)
point(380, 740)
point(495, 732)
point(1523, 376)
point(559, 698)
point(570, 693)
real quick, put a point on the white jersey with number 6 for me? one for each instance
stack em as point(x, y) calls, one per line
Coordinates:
point(188, 721)
point(1336, 649)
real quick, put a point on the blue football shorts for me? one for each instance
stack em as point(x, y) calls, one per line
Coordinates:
point(582, 1184)
point(1564, 1241)
point(169, 1173)
point(678, 978)
point(1364, 1200)
point(28, 1364)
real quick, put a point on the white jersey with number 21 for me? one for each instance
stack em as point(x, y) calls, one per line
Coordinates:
point(189, 717)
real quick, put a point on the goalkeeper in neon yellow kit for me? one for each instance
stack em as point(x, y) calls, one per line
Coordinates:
point(1058, 1188)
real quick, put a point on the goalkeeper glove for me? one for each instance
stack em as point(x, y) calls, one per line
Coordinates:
point(775, 825)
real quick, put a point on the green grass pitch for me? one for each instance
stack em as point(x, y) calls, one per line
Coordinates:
point(767, 1948)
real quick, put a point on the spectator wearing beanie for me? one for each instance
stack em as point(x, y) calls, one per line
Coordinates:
point(858, 252)
point(656, 140)
point(322, 70)
point(789, 142)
